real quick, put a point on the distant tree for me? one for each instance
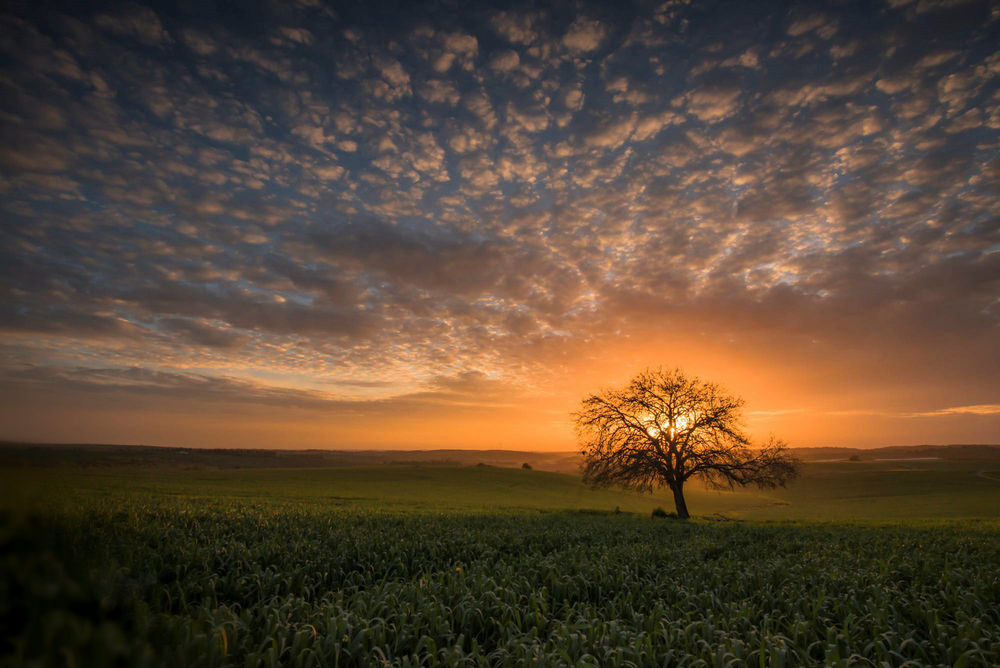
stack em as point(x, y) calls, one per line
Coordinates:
point(665, 428)
point(526, 466)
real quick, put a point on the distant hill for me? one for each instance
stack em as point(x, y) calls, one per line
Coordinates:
point(953, 452)
point(146, 456)
point(149, 456)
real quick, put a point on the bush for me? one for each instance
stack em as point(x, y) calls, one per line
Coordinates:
point(526, 466)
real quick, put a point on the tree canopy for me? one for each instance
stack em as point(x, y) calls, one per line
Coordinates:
point(665, 428)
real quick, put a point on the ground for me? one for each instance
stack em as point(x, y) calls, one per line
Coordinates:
point(178, 563)
point(885, 489)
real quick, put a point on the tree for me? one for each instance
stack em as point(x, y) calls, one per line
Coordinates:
point(665, 428)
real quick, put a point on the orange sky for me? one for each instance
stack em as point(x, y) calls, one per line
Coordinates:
point(806, 398)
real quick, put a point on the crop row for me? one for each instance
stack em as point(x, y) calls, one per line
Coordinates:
point(212, 584)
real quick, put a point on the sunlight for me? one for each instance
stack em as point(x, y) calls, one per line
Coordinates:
point(679, 424)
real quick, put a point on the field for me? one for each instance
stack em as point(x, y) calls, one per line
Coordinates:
point(859, 563)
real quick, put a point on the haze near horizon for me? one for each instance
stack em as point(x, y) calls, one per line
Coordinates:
point(308, 225)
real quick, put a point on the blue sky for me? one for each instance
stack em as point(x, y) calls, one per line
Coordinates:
point(306, 216)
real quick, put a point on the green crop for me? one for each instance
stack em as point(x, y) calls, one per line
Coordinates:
point(236, 583)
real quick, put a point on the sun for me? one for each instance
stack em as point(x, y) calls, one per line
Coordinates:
point(679, 424)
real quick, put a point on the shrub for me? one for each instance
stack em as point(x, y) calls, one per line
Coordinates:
point(526, 466)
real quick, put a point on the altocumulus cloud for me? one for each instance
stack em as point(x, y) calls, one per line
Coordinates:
point(377, 203)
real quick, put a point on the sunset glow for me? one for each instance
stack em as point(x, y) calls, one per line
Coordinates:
point(375, 225)
point(679, 425)
point(658, 423)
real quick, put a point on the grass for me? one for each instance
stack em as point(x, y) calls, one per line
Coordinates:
point(886, 491)
point(868, 563)
point(829, 491)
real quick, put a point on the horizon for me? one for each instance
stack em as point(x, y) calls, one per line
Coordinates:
point(404, 449)
point(297, 226)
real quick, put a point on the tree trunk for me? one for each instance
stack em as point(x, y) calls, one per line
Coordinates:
point(682, 509)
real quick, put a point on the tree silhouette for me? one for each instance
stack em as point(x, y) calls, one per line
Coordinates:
point(665, 428)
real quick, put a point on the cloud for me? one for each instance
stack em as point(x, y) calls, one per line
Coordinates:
point(823, 25)
point(449, 262)
point(137, 22)
point(394, 74)
point(454, 47)
point(440, 91)
point(652, 125)
point(199, 42)
point(711, 104)
point(530, 118)
point(505, 61)
point(296, 35)
point(610, 134)
point(461, 44)
point(516, 27)
point(201, 333)
point(134, 386)
point(978, 409)
point(584, 35)
point(329, 172)
point(135, 383)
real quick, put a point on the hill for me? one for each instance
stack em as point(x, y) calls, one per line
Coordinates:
point(958, 452)
point(154, 456)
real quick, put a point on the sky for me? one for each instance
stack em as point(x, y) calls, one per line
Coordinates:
point(421, 225)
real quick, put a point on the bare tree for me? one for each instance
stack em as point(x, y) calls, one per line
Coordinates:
point(665, 428)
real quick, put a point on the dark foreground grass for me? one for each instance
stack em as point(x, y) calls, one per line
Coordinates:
point(159, 581)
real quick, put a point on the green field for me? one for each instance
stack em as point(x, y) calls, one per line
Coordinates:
point(849, 491)
point(858, 563)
